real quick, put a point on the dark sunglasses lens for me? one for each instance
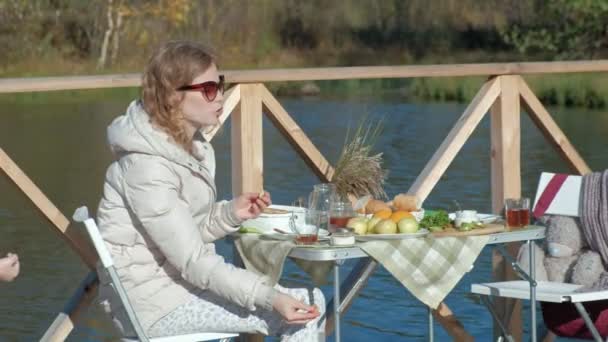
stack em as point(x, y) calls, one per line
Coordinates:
point(210, 91)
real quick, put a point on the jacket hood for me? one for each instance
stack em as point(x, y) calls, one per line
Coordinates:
point(133, 133)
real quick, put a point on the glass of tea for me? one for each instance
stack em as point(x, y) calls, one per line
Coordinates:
point(308, 233)
point(339, 214)
point(517, 212)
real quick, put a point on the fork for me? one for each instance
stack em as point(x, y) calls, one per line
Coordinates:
point(292, 222)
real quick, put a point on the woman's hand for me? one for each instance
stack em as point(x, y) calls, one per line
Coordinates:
point(249, 205)
point(9, 267)
point(294, 311)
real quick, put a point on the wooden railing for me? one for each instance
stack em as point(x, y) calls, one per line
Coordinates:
point(502, 95)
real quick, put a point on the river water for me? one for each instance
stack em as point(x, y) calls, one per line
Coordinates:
point(59, 142)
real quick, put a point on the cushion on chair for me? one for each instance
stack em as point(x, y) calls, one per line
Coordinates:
point(564, 320)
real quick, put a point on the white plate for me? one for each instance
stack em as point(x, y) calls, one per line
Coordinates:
point(488, 218)
point(483, 218)
point(372, 237)
point(418, 215)
point(323, 235)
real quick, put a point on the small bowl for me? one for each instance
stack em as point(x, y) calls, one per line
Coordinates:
point(342, 239)
point(266, 222)
point(465, 216)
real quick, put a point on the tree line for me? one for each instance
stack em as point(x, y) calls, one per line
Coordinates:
point(119, 34)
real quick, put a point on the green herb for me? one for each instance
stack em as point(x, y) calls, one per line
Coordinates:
point(249, 230)
point(470, 225)
point(435, 229)
point(466, 226)
point(435, 218)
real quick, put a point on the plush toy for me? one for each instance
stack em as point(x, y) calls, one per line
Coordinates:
point(565, 256)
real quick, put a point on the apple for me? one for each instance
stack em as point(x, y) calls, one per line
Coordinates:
point(407, 225)
point(357, 219)
point(371, 224)
point(359, 226)
point(386, 226)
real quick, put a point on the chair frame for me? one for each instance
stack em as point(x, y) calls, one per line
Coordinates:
point(82, 215)
point(529, 289)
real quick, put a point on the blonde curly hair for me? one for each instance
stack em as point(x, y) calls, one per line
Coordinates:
point(173, 65)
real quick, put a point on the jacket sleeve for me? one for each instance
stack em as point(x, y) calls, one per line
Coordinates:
point(151, 192)
point(222, 221)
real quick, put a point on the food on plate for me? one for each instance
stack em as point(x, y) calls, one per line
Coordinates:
point(408, 225)
point(274, 211)
point(406, 202)
point(386, 226)
point(372, 223)
point(374, 205)
point(435, 220)
point(249, 230)
point(466, 226)
point(400, 214)
point(358, 224)
point(383, 214)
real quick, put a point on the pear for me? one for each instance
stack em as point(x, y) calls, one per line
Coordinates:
point(386, 226)
point(371, 224)
point(407, 225)
point(358, 224)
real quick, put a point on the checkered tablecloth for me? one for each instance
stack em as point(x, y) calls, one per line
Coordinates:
point(267, 256)
point(428, 267)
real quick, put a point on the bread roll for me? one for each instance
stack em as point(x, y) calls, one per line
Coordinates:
point(406, 202)
point(376, 205)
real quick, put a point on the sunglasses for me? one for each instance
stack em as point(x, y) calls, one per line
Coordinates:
point(208, 89)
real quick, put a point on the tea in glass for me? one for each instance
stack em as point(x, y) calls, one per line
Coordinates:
point(308, 233)
point(339, 214)
point(517, 212)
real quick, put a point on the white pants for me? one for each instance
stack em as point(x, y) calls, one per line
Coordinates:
point(210, 313)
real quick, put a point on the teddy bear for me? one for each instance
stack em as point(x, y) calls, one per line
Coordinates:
point(565, 256)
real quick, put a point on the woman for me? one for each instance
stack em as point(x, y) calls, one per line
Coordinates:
point(159, 218)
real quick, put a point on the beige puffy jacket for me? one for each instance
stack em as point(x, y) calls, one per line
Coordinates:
point(159, 218)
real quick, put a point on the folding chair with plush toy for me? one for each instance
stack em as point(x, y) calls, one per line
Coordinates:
point(566, 311)
point(82, 215)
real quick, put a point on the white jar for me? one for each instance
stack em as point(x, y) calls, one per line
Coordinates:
point(465, 216)
point(342, 239)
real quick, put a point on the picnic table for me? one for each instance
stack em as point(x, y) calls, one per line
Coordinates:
point(429, 267)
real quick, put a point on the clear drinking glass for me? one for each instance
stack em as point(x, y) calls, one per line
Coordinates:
point(308, 233)
point(517, 212)
point(339, 214)
point(320, 200)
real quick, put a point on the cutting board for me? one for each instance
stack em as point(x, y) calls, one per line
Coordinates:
point(490, 228)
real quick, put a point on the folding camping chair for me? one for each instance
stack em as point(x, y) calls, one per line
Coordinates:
point(82, 215)
point(563, 200)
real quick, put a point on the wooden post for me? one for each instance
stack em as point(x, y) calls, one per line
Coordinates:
point(550, 129)
point(77, 305)
point(247, 142)
point(296, 137)
point(75, 240)
point(447, 151)
point(247, 152)
point(506, 182)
